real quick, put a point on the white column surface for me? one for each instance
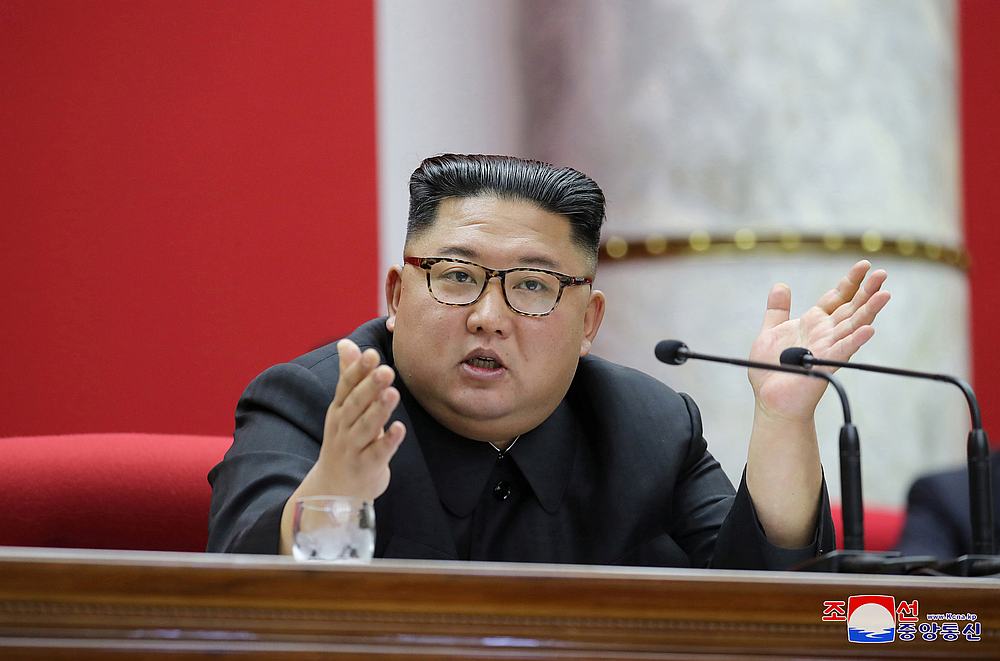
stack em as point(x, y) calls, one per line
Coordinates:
point(448, 81)
point(773, 115)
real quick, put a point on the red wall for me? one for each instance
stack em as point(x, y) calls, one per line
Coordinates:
point(979, 27)
point(187, 195)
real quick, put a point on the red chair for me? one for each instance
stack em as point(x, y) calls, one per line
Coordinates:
point(883, 526)
point(107, 491)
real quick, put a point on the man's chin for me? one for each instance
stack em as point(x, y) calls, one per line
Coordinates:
point(482, 412)
point(480, 420)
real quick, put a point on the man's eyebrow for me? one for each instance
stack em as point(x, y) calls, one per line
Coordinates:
point(458, 251)
point(538, 261)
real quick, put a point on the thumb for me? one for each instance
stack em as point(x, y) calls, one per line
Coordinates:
point(779, 306)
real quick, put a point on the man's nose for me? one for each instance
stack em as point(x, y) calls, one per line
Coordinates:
point(490, 313)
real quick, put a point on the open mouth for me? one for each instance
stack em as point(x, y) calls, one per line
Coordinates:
point(484, 363)
point(483, 360)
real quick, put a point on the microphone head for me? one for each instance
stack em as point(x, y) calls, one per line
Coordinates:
point(796, 356)
point(671, 352)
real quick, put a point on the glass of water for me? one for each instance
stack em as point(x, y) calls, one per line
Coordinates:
point(337, 528)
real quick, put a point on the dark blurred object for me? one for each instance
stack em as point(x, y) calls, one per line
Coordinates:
point(937, 514)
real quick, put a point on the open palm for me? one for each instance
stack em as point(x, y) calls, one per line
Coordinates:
point(834, 328)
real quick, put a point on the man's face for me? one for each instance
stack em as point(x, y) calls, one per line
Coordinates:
point(435, 345)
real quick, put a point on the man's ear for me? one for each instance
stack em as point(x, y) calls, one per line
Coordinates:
point(393, 290)
point(592, 319)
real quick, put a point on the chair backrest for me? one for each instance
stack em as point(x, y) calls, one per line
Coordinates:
point(107, 491)
point(883, 526)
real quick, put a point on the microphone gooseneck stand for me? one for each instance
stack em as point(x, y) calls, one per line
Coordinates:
point(983, 559)
point(853, 558)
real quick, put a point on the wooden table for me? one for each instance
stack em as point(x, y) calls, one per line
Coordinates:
point(62, 604)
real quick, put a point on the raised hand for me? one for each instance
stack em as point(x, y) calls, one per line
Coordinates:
point(835, 328)
point(356, 448)
point(783, 469)
point(354, 457)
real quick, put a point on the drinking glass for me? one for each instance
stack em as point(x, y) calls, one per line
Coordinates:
point(337, 528)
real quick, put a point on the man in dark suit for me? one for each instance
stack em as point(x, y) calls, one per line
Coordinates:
point(938, 520)
point(475, 418)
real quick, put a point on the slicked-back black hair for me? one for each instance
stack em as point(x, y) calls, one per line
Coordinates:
point(559, 190)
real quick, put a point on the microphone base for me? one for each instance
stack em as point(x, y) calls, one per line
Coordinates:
point(845, 561)
point(971, 565)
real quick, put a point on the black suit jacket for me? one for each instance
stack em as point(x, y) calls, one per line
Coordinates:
point(938, 516)
point(642, 488)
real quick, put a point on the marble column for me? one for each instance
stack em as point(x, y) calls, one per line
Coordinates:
point(774, 118)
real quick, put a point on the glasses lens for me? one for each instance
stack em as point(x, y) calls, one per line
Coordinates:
point(455, 283)
point(532, 292)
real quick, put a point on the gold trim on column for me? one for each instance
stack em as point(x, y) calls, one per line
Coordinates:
point(745, 240)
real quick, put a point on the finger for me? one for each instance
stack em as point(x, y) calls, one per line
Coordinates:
point(358, 365)
point(381, 449)
point(871, 286)
point(779, 306)
point(369, 425)
point(353, 368)
point(347, 354)
point(845, 289)
point(863, 316)
point(361, 397)
point(846, 347)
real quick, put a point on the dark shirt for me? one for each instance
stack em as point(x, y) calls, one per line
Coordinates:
point(484, 492)
point(618, 474)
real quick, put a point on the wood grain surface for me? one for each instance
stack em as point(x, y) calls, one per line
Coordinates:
point(57, 604)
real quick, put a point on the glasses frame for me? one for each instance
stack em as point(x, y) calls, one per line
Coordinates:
point(426, 263)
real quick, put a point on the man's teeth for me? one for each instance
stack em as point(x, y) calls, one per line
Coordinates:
point(484, 363)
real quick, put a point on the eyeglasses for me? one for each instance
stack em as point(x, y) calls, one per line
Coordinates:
point(527, 291)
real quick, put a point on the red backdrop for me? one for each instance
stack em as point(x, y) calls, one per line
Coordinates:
point(979, 26)
point(188, 195)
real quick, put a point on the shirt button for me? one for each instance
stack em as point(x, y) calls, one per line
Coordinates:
point(501, 491)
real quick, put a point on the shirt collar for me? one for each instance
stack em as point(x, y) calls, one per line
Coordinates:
point(546, 453)
point(460, 467)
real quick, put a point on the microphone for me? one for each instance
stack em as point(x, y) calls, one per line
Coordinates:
point(674, 352)
point(977, 447)
point(853, 558)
